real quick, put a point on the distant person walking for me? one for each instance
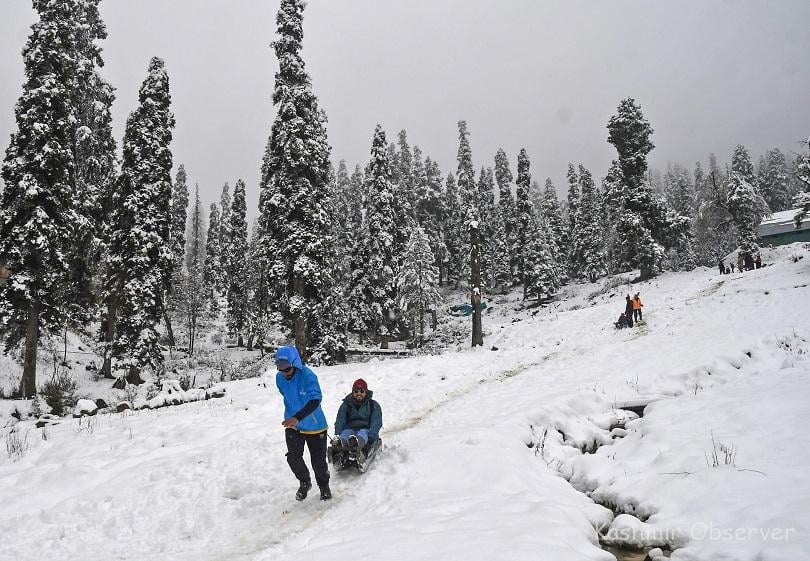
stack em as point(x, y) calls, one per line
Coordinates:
point(628, 311)
point(740, 261)
point(304, 421)
point(721, 266)
point(749, 262)
point(758, 261)
point(637, 305)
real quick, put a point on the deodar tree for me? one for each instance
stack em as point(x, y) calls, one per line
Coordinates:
point(293, 223)
point(37, 209)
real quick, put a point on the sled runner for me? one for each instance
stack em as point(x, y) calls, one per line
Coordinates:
point(343, 457)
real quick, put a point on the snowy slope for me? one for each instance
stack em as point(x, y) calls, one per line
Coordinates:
point(479, 445)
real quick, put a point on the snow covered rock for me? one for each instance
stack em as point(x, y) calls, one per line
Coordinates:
point(215, 392)
point(656, 554)
point(628, 530)
point(47, 420)
point(85, 407)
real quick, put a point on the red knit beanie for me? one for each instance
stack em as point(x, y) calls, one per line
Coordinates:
point(360, 383)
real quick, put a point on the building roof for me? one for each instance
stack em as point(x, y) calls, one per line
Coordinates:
point(781, 223)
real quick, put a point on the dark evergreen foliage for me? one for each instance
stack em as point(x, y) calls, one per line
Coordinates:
point(38, 210)
point(507, 216)
point(211, 271)
point(642, 228)
point(380, 232)
point(96, 164)
point(745, 204)
point(237, 272)
point(140, 256)
point(774, 182)
point(177, 228)
point(293, 223)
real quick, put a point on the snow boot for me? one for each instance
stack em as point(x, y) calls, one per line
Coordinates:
point(326, 493)
point(303, 489)
point(354, 443)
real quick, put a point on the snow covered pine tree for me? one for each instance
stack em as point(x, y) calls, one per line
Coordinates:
point(293, 223)
point(140, 251)
point(38, 170)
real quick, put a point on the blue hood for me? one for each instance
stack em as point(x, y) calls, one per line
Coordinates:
point(290, 354)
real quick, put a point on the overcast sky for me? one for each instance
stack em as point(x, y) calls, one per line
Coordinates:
point(544, 75)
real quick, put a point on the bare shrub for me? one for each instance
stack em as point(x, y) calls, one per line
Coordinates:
point(251, 368)
point(721, 454)
point(217, 339)
point(131, 393)
point(794, 344)
point(609, 285)
point(16, 445)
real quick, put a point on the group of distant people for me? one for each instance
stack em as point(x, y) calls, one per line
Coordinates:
point(745, 262)
point(632, 312)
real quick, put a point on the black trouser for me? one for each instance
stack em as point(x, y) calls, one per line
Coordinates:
point(637, 314)
point(317, 455)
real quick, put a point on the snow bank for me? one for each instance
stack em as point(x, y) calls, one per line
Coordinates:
point(479, 445)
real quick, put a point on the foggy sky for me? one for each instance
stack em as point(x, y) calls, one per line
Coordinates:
point(545, 75)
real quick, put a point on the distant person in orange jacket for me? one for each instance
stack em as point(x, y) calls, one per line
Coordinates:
point(637, 305)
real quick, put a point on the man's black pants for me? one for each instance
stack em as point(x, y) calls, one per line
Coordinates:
point(317, 454)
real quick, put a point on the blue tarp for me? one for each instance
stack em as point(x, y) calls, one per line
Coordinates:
point(465, 309)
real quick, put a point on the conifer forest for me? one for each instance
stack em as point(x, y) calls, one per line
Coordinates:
point(115, 243)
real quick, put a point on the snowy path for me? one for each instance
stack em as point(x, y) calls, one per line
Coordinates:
point(459, 476)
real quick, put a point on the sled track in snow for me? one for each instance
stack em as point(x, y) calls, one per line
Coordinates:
point(298, 518)
point(461, 392)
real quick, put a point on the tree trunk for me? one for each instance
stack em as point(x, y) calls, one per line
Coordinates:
point(192, 332)
point(300, 324)
point(109, 335)
point(645, 272)
point(383, 341)
point(250, 342)
point(169, 331)
point(475, 287)
point(240, 342)
point(28, 383)
point(421, 325)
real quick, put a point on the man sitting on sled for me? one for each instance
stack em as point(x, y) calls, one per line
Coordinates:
point(358, 421)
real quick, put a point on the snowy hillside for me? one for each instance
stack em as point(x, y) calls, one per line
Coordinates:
point(516, 453)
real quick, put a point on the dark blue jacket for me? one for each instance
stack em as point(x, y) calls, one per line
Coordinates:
point(365, 415)
point(300, 390)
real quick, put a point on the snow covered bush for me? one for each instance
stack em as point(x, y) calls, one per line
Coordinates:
point(60, 392)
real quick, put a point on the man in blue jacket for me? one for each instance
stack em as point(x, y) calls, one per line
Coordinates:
point(304, 421)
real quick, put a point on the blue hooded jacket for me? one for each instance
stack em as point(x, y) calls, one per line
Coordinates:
point(298, 391)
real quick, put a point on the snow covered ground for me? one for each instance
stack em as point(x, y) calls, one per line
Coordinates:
point(489, 454)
